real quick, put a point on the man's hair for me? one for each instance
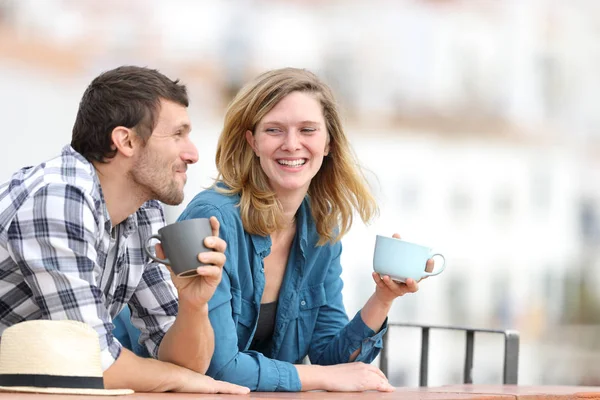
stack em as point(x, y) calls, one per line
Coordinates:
point(127, 96)
point(335, 192)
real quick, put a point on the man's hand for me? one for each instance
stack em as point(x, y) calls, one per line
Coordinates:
point(150, 375)
point(195, 292)
point(198, 383)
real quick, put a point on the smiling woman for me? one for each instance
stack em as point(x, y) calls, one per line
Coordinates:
point(287, 188)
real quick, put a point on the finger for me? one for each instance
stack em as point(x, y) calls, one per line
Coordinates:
point(214, 224)
point(429, 265)
point(212, 258)
point(396, 235)
point(215, 243)
point(160, 253)
point(411, 285)
point(393, 285)
point(386, 387)
point(230, 388)
point(399, 288)
point(170, 270)
point(377, 279)
point(209, 271)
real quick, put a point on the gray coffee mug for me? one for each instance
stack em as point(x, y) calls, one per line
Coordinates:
point(181, 242)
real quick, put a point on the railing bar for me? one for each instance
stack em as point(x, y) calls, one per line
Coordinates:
point(383, 356)
point(424, 357)
point(468, 371)
point(511, 358)
point(511, 352)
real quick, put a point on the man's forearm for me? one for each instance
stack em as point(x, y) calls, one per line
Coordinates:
point(142, 374)
point(190, 341)
point(149, 375)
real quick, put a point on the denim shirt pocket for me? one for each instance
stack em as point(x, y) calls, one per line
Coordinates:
point(246, 319)
point(310, 300)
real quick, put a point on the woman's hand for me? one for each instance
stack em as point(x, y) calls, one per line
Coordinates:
point(197, 291)
point(348, 377)
point(388, 289)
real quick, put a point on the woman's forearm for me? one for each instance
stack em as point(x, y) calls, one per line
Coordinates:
point(311, 377)
point(375, 312)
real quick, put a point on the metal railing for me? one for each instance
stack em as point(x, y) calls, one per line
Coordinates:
point(511, 351)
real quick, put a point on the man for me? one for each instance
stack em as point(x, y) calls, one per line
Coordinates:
point(72, 232)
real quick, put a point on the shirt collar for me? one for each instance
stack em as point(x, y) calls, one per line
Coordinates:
point(71, 152)
point(262, 244)
point(130, 224)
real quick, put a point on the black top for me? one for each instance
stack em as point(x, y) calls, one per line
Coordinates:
point(265, 327)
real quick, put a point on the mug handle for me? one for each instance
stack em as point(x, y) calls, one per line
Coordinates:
point(152, 256)
point(441, 268)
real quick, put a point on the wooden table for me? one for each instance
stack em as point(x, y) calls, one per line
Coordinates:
point(452, 392)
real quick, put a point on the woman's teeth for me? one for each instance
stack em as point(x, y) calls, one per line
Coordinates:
point(292, 163)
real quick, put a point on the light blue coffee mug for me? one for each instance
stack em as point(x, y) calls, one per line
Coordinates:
point(402, 260)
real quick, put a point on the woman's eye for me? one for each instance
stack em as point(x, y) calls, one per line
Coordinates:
point(272, 130)
point(308, 130)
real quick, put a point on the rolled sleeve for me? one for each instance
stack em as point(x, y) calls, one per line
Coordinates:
point(360, 335)
point(110, 355)
point(278, 376)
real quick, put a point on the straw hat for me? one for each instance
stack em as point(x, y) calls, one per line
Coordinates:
point(45, 356)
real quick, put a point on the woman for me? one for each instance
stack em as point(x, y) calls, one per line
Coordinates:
point(286, 190)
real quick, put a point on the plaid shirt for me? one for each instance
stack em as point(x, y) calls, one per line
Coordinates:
point(61, 258)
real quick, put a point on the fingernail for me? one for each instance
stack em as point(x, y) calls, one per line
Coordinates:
point(210, 242)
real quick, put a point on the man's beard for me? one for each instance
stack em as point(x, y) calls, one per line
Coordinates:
point(149, 174)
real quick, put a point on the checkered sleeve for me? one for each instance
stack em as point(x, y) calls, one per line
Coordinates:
point(53, 240)
point(154, 302)
point(154, 306)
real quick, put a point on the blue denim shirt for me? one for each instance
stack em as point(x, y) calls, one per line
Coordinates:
point(311, 319)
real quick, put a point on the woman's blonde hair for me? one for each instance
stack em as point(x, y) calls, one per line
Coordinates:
point(338, 187)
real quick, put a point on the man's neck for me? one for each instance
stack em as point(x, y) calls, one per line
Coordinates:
point(121, 197)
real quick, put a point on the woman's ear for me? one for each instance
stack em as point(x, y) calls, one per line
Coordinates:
point(123, 140)
point(251, 141)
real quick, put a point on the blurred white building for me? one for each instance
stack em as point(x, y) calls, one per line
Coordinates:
point(476, 122)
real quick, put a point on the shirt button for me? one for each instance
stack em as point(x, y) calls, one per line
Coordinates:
point(302, 303)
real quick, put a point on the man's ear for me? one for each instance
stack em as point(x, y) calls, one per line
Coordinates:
point(124, 140)
point(250, 140)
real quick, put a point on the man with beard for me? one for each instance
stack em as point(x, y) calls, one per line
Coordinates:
point(72, 231)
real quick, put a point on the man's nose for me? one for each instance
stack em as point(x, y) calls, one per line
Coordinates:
point(190, 153)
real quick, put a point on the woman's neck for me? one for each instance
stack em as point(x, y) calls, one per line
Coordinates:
point(290, 205)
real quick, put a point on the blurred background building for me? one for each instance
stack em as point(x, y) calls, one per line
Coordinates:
point(476, 123)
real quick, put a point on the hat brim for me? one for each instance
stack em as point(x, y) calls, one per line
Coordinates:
point(92, 392)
